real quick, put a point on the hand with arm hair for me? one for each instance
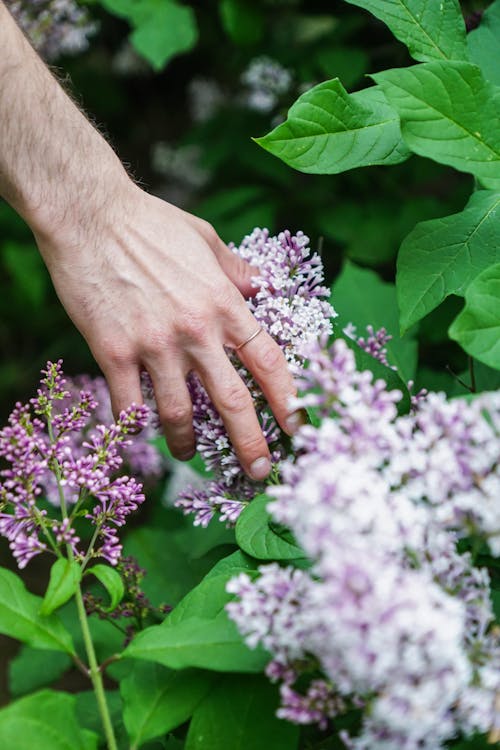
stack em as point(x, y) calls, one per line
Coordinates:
point(149, 286)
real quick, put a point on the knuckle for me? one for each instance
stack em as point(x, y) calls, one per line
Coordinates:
point(195, 326)
point(227, 301)
point(253, 446)
point(207, 231)
point(155, 344)
point(270, 359)
point(234, 399)
point(120, 357)
point(175, 414)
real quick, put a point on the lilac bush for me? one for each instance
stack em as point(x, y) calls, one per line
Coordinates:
point(391, 618)
point(291, 305)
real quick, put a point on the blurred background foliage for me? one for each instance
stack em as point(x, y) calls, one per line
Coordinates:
point(180, 90)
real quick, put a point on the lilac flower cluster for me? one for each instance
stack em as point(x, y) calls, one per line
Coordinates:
point(140, 456)
point(291, 305)
point(374, 344)
point(55, 27)
point(391, 618)
point(266, 80)
point(38, 444)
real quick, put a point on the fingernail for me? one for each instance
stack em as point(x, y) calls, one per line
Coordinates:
point(294, 421)
point(260, 468)
point(187, 456)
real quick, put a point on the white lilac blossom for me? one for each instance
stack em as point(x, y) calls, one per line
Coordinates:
point(127, 62)
point(55, 27)
point(205, 98)
point(391, 618)
point(266, 81)
point(38, 443)
point(291, 304)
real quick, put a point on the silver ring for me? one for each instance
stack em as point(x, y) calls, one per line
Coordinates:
point(250, 338)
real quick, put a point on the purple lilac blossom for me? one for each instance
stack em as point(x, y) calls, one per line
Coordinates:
point(38, 445)
point(55, 27)
point(392, 616)
point(374, 344)
point(140, 456)
point(291, 305)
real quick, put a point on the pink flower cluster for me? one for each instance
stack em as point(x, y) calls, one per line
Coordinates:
point(46, 446)
point(391, 618)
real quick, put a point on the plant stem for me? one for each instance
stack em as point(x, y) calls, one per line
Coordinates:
point(95, 674)
point(90, 549)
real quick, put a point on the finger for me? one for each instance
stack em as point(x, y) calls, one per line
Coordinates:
point(265, 360)
point(124, 385)
point(232, 400)
point(237, 270)
point(175, 409)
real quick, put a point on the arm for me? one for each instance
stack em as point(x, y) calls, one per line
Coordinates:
point(148, 285)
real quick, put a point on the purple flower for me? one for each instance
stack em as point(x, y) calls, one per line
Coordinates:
point(290, 305)
point(392, 617)
point(48, 449)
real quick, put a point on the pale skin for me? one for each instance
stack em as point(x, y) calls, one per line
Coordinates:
point(149, 286)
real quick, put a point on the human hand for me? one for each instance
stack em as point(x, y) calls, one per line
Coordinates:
point(152, 287)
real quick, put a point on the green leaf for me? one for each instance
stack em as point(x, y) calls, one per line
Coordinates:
point(45, 721)
point(330, 131)
point(20, 617)
point(31, 669)
point(237, 562)
point(156, 700)
point(198, 642)
point(241, 714)
point(242, 20)
point(198, 632)
point(171, 570)
point(257, 538)
point(112, 582)
point(449, 113)
point(477, 328)
point(484, 43)
point(362, 298)
point(442, 256)
point(162, 28)
point(65, 575)
point(431, 29)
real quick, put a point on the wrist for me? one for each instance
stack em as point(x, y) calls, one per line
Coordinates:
point(93, 198)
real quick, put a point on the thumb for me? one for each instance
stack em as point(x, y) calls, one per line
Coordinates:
point(237, 270)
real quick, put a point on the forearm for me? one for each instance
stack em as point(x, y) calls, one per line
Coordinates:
point(53, 162)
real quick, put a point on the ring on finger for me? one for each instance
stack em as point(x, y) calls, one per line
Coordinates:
point(247, 341)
